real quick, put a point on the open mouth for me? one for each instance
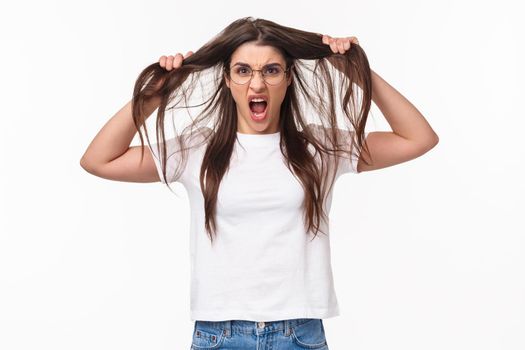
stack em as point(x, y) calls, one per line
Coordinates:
point(258, 109)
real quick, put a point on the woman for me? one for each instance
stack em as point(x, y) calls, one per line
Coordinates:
point(259, 168)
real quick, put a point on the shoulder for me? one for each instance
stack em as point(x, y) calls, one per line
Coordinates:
point(195, 136)
point(316, 130)
point(323, 133)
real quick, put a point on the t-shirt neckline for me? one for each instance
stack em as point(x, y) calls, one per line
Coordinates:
point(258, 139)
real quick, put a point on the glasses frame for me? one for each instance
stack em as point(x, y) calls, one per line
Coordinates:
point(228, 70)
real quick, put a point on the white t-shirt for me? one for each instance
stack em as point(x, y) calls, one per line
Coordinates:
point(262, 265)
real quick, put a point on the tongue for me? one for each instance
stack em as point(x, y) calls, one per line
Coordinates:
point(258, 107)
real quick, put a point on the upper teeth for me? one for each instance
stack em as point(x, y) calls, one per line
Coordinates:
point(257, 100)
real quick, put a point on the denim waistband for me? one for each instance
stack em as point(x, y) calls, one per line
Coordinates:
point(248, 327)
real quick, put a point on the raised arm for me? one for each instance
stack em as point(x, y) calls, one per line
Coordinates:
point(411, 135)
point(110, 156)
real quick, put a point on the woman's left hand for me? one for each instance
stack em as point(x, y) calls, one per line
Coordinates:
point(340, 45)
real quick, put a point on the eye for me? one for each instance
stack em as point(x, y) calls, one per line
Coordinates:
point(272, 70)
point(243, 71)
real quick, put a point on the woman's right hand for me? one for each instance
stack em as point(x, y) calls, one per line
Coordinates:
point(173, 62)
point(169, 63)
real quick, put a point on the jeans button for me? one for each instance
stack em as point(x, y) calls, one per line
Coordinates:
point(260, 324)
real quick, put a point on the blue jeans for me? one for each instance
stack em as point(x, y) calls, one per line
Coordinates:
point(298, 333)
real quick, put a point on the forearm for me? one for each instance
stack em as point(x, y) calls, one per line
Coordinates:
point(115, 137)
point(403, 117)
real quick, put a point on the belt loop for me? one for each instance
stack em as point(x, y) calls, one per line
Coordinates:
point(287, 330)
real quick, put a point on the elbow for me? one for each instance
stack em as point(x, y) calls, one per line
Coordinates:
point(87, 166)
point(435, 140)
point(84, 164)
point(423, 145)
point(431, 142)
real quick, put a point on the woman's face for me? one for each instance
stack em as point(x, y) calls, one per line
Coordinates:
point(257, 57)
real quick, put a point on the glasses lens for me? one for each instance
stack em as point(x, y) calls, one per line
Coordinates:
point(272, 75)
point(241, 75)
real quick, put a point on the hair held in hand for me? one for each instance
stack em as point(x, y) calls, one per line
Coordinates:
point(317, 90)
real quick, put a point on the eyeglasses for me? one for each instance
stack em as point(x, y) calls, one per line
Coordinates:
point(272, 74)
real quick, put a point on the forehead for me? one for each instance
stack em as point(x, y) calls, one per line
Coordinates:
point(257, 55)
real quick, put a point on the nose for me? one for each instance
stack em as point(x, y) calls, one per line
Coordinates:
point(257, 82)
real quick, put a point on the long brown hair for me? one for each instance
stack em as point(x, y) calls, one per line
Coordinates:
point(306, 55)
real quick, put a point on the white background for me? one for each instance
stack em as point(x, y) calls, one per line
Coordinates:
point(428, 254)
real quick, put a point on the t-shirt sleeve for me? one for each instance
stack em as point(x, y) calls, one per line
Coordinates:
point(172, 158)
point(346, 164)
point(191, 140)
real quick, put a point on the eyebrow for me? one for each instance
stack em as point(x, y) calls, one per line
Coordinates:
point(242, 64)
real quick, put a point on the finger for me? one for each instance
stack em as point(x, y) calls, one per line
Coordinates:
point(169, 62)
point(188, 54)
point(340, 46)
point(162, 61)
point(354, 40)
point(333, 45)
point(177, 61)
point(346, 44)
point(326, 39)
